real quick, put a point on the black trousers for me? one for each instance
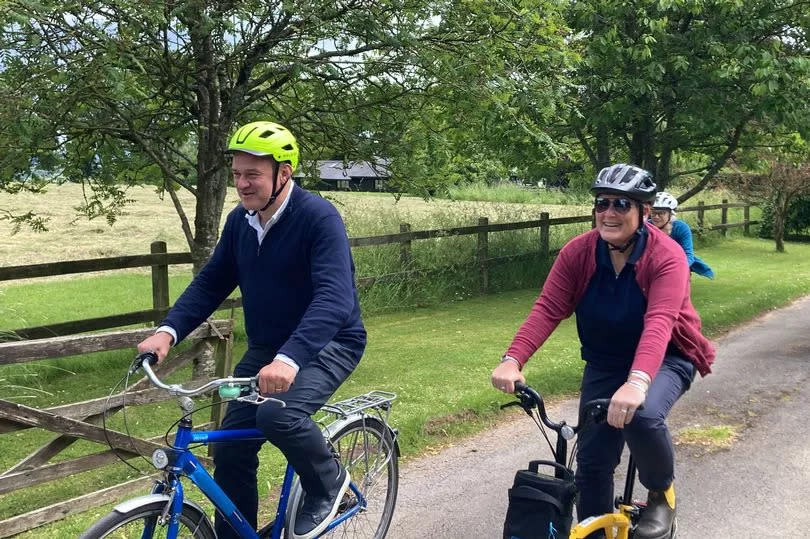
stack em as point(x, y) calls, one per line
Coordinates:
point(647, 435)
point(291, 429)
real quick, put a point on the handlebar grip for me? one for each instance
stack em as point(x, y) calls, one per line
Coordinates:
point(520, 386)
point(148, 357)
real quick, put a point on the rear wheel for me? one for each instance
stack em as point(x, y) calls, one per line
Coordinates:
point(143, 522)
point(368, 451)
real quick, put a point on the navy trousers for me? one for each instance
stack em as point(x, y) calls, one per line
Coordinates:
point(291, 429)
point(647, 435)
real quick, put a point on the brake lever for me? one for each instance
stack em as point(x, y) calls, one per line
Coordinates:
point(257, 399)
point(513, 403)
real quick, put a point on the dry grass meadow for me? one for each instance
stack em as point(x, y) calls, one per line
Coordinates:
point(149, 218)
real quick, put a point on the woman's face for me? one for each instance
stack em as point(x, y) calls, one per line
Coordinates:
point(660, 217)
point(616, 218)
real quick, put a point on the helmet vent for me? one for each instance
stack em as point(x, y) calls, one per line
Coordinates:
point(287, 147)
point(268, 133)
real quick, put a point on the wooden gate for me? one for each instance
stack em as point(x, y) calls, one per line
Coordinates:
point(210, 354)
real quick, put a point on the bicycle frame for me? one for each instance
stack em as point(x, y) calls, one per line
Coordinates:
point(621, 520)
point(182, 462)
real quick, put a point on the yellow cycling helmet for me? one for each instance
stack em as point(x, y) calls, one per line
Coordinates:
point(265, 138)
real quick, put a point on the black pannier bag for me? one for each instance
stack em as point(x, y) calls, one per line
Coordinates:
point(541, 506)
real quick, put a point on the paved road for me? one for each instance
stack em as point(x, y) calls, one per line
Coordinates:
point(760, 487)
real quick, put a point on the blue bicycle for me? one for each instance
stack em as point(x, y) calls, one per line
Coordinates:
point(359, 435)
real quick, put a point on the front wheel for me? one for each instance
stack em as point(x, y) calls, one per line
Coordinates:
point(367, 449)
point(143, 522)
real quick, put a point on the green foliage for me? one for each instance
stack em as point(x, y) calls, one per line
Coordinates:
point(127, 92)
point(489, 101)
point(700, 77)
point(797, 218)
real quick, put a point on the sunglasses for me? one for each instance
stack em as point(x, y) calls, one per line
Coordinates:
point(659, 213)
point(620, 205)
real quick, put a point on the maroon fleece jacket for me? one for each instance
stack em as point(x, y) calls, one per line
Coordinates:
point(663, 276)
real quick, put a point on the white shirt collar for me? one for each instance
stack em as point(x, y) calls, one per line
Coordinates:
point(255, 222)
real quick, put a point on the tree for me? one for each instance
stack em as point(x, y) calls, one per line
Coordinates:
point(118, 92)
point(489, 103)
point(779, 187)
point(701, 78)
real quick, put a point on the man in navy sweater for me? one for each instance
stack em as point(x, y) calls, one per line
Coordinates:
point(288, 252)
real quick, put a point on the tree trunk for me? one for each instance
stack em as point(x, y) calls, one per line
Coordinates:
point(212, 176)
point(209, 212)
point(602, 147)
point(780, 208)
point(662, 170)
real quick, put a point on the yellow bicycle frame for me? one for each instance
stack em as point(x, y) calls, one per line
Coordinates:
point(616, 525)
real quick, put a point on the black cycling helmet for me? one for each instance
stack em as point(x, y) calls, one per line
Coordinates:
point(623, 179)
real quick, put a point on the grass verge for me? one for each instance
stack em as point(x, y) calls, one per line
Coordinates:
point(437, 359)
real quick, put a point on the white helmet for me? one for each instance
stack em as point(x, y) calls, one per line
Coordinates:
point(666, 201)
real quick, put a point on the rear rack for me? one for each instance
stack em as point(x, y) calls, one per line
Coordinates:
point(379, 400)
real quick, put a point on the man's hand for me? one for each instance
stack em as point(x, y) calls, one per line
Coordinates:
point(623, 405)
point(159, 343)
point(505, 375)
point(277, 377)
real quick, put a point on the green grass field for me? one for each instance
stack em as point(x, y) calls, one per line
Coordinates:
point(431, 340)
point(437, 359)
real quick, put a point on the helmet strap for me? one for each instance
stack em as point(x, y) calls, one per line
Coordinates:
point(276, 191)
point(624, 247)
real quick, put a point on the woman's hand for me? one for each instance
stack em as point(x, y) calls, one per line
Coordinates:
point(624, 404)
point(505, 375)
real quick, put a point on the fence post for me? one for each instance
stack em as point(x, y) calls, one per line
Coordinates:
point(160, 281)
point(405, 247)
point(700, 218)
point(483, 254)
point(544, 229)
point(724, 216)
point(223, 358)
point(746, 218)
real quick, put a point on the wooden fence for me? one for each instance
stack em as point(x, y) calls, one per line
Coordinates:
point(211, 357)
point(159, 260)
point(211, 353)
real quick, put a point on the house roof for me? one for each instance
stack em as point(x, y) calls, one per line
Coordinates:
point(333, 169)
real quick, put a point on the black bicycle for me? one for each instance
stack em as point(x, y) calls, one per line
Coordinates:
point(619, 524)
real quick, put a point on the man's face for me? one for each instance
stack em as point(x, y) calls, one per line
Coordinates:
point(616, 218)
point(253, 179)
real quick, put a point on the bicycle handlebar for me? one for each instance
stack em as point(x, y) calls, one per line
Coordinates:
point(147, 359)
point(592, 411)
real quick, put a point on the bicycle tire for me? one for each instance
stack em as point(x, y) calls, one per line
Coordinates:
point(193, 523)
point(367, 473)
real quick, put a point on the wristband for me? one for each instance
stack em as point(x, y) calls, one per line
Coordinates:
point(510, 358)
point(638, 385)
point(643, 376)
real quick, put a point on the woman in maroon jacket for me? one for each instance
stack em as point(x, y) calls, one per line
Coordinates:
point(628, 284)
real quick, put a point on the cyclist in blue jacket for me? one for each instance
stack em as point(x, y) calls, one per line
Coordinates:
point(663, 217)
point(288, 252)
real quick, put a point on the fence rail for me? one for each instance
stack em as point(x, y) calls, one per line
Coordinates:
point(76, 420)
point(159, 260)
point(211, 356)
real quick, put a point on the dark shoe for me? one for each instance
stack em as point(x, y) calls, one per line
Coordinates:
point(318, 511)
point(656, 520)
